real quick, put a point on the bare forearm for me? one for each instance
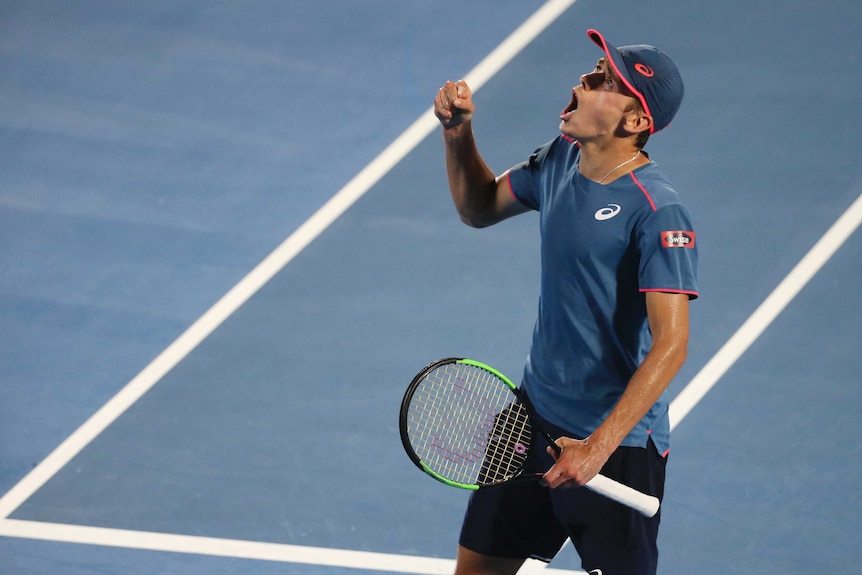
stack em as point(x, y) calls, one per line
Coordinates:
point(644, 389)
point(471, 182)
point(581, 460)
point(668, 320)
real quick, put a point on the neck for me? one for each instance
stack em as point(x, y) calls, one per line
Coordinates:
point(604, 166)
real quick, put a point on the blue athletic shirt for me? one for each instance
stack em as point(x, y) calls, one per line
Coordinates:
point(603, 247)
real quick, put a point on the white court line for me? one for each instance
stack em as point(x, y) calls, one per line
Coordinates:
point(272, 264)
point(269, 267)
point(763, 316)
point(697, 388)
point(822, 251)
point(232, 548)
point(214, 317)
point(238, 549)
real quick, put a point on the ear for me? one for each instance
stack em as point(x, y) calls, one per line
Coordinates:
point(637, 121)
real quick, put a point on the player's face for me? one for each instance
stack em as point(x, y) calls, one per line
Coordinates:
point(599, 103)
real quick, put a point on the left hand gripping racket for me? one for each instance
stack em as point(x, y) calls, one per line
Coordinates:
point(464, 423)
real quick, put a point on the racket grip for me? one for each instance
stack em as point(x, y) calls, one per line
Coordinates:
point(646, 505)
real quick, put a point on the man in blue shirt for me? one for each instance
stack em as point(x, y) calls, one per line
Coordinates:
point(619, 261)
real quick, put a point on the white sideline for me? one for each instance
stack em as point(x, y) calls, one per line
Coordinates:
point(763, 316)
point(216, 547)
point(214, 317)
point(696, 389)
point(272, 264)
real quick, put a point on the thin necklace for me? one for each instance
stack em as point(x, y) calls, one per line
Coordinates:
point(629, 161)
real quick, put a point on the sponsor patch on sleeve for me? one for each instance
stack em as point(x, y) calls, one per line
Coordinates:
point(677, 239)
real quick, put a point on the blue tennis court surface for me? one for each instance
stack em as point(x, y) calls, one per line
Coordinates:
point(156, 418)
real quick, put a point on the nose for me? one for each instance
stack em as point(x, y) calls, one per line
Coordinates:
point(591, 80)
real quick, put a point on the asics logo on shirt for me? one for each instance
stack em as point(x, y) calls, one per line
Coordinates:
point(608, 212)
point(595, 572)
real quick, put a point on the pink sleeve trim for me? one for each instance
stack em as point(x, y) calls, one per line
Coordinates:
point(508, 176)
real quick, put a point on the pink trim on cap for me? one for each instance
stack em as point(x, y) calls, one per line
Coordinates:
point(597, 37)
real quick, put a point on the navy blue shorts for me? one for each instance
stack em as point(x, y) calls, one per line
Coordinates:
point(522, 519)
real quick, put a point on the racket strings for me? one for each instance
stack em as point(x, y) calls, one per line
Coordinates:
point(508, 446)
point(466, 425)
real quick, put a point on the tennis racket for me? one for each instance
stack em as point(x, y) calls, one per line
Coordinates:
point(466, 424)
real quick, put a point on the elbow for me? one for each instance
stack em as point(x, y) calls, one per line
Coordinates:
point(475, 221)
point(476, 216)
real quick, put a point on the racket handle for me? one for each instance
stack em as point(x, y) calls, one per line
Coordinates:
point(646, 505)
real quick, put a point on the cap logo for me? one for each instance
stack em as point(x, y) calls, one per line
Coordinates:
point(644, 70)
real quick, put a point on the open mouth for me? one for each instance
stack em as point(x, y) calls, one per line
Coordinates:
point(573, 105)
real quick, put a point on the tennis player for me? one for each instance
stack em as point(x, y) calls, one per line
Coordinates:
point(619, 262)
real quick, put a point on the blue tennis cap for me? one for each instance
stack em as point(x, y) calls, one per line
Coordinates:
point(650, 75)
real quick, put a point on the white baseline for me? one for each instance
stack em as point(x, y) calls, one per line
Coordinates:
point(697, 388)
point(214, 317)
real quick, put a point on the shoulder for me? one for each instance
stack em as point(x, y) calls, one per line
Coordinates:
point(658, 191)
point(535, 176)
point(560, 149)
